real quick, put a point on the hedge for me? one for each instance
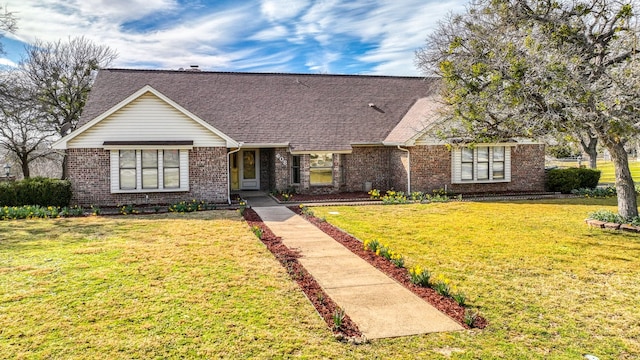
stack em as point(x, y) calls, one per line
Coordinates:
point(35, 191)
point(565, 180)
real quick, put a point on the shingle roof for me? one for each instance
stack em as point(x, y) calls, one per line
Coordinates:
point(310, 112)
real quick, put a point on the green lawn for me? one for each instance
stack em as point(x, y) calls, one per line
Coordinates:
point(202, 286)
point(608, 176)
point(550, 286)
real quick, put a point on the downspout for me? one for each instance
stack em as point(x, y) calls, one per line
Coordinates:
point(408, 169)
point(229, 171)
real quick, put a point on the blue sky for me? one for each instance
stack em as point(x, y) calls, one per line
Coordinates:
point(325, 36)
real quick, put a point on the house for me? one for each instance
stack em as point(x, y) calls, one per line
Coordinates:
point(155, 136)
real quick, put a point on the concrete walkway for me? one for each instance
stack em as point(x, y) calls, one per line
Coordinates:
point(380, 306)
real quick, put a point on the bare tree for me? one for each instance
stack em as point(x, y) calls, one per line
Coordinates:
point(21, 117)
point(63, 73)
point(529, 68)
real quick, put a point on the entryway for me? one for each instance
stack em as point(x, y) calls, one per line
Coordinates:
point(245, 170)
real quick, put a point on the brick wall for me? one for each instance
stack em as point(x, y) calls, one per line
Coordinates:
point(431, 169)
point(368, 164)
point(267, 175)
point(282, 168)
point(89, 173)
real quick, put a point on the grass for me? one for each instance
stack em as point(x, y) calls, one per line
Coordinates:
point(550, 286)
point(608, 176)
point(171, 286)
point(201, 285)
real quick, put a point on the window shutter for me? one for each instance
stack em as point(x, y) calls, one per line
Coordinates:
point(115, 170)
point(184, 170)
point(507, 163)
point(456, 165)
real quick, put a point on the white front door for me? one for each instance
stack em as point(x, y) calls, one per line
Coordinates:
point(250, 170)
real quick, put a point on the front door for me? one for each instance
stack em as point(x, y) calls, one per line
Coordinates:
point(250, 170)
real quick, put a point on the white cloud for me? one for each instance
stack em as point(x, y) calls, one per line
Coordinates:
point(7, 62)
point(271, 34)
point(278, 10)
point(321, 62)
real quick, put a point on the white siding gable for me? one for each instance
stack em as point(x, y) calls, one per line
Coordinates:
point(147, 118)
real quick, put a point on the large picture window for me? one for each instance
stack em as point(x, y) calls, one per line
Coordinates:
point(320, 169)
point(481, 164)
point(149, 170)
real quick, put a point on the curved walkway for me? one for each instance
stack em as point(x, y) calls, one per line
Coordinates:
point(380, 306)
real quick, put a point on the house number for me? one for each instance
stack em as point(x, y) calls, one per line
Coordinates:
point(282, 159)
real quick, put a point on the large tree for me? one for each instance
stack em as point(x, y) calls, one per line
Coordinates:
point(529, 68)
point(21, 117)
point(63, 73)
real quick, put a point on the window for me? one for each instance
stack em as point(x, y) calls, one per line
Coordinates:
point(127, 171)
point(498, 163)
point(467, 164)
point(481, 164)
point(320, 169)
point(149, 170)
point(295, 169)
point(171, 168)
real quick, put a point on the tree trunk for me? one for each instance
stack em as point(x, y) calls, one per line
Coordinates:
point(24, 164)
point(65, 172)
point(591, 149)
point(627, 201)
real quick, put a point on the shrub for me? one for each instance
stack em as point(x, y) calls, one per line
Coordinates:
point(36, 191)
point(565, 180)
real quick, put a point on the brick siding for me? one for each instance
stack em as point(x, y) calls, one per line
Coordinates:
point(89, 173)
point(368, 164)
point(431, 170)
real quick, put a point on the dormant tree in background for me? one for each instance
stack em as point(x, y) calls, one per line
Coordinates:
point(21, 119)
point(62, 73)
point(530, 68)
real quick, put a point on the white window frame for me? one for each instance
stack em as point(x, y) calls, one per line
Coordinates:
point(330, 168)
point(456, 164)
point(115, 169)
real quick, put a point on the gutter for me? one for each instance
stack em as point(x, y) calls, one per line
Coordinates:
point(408, 169)
point(229, 171)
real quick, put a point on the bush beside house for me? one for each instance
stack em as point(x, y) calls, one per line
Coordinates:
point(565, 180)
point(36, 191)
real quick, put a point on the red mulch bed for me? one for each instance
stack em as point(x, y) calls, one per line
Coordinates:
point(289, 260)
point(445, 304)
point(327, 197)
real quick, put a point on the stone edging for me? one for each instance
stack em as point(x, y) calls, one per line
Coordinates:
point(612, 226)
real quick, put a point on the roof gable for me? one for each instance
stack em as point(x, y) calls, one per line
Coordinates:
point(146, 93)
